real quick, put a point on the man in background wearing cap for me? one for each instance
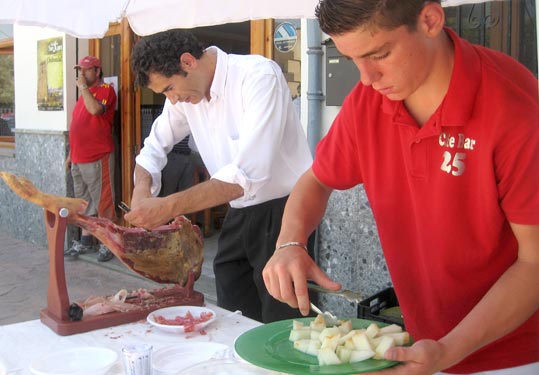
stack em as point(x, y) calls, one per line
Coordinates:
point(91, 155)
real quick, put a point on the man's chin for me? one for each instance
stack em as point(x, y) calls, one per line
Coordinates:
point(193, 100)
point(395, 96)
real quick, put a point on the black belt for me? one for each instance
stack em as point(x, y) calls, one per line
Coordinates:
point(181, 152)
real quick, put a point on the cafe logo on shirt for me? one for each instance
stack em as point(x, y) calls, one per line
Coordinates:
point(454, 159)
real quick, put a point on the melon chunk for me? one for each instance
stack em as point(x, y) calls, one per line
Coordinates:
point(343, 344)
point(327, 357)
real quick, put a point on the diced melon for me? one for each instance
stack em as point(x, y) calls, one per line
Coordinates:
point(401, 338)
point(310, 347)
point(343, 344)
point(329, 331)
point(360, 355)
point(314, 347)
point(319, 323)
point(345, 326)
point(386, 343)
point(376, 341)
point(302, 345)
point(393, 328)
point(343, 354)
point(349, 344)
point(330, 342)
point(372, 330)
point(299, 334)
point(327, 357)
point(349, 335)
point(361, 341)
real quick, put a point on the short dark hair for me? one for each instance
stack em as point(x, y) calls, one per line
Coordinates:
point(341, 16)
point(160, 53)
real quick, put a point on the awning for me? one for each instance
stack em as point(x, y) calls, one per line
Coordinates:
point(91, 19)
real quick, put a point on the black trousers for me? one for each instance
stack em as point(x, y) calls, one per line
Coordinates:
point(246, 243)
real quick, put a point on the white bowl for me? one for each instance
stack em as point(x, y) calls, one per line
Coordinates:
point(175, 311)
point(171, 359)
point(75, 361)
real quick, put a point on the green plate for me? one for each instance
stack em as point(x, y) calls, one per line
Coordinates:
point(268, 346)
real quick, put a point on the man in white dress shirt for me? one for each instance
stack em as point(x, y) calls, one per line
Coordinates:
point(239, 112)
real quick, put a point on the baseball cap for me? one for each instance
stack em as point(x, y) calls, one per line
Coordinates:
point(88, 62)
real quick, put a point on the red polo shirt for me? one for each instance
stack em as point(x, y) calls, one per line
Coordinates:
point(90, 136)
point(443, 194)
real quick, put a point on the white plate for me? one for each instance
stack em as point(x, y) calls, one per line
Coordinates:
point(227, 366)
point(75, 361)
point(170, 360)
point(173, 312)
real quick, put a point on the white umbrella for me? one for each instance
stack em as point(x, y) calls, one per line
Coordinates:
point(83, 19)
point(90, 19)
point(142, 14)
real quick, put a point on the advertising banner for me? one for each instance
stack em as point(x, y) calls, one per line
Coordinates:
point(50, 74)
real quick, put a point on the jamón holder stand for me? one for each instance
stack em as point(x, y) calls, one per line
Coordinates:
point(55, 315)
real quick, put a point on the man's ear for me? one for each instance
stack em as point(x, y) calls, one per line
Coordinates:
point(431, 19)
point(187, 61)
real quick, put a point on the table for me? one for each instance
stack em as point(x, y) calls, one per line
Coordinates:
point(21, 343)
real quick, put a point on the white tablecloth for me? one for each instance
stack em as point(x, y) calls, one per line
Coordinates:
point(21, 343)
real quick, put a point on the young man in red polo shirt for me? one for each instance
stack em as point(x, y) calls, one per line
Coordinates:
point(444, 135)
point(91, 155)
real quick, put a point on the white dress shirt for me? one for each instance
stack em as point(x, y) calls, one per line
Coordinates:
point(247, 133)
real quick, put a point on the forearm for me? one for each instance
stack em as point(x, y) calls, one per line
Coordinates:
point(304, 209)
point(91, 103)
point(494, 316)
point(207, 194)
point(143, 183)
point(287, 271)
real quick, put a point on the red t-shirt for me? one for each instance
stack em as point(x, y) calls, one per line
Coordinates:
point(90, 136)
point(443, 194)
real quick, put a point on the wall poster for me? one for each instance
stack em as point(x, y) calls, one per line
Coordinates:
point(50, 74)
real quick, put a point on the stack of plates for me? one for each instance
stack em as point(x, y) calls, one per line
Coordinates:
point(75, 361)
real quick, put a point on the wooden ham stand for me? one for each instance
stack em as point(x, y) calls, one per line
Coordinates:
point(55, 315)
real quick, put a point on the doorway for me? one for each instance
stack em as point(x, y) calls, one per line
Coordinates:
point(109, 52)
point(232, 38)
point(114, 50)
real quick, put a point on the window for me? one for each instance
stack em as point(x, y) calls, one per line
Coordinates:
point(506, 26)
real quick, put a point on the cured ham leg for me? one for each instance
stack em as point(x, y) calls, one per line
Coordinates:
point(167, 254)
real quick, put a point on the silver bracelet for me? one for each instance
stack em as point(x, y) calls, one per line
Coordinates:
point(293, 243)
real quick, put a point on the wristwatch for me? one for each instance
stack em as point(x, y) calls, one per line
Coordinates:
point(82, 87)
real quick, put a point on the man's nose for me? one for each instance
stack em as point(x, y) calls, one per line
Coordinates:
point(368, 73)
point(172, 98)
